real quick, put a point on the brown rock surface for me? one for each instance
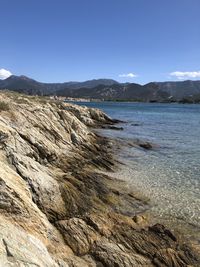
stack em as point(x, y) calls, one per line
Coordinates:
point(56, 208)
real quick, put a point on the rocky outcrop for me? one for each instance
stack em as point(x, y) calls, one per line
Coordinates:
point(57, 208)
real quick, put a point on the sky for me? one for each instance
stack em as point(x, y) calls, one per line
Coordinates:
point(75, 40)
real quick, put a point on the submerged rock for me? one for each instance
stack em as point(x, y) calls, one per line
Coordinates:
point(112, 127)
point(146, 145)
point(136, 124)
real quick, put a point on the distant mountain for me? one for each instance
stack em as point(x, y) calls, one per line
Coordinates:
point(154, 91)
point(180, 89)
point(108, 89)
point(90, 83)
point(26, 85)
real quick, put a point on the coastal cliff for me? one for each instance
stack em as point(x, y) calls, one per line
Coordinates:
point(57, 208)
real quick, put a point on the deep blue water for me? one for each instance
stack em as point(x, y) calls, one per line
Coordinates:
point(169, 174)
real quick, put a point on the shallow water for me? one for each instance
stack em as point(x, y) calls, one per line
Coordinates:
point(169, 174)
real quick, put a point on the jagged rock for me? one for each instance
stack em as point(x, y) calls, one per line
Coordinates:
point(78, 235)
point(90, 117)
point(18, 248)
point(113, 254)
point(160, 229)
point(170, 257)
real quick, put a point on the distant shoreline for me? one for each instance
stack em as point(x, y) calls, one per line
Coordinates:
point(129, 101)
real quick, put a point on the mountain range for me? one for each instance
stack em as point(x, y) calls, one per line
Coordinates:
point(108, 89)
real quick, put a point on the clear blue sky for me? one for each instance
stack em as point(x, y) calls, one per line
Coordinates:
point(62, 40)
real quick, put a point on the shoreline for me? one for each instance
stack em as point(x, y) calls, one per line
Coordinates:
point(51, 163)
point(130, 101)
point(179, 225)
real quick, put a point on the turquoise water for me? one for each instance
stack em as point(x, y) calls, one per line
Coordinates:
point(169, 174)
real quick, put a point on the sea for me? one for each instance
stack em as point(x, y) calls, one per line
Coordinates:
point(169, 174)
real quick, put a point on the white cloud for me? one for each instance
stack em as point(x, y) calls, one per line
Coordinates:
point(128, 75)
point(4, 74)
point(181, 75)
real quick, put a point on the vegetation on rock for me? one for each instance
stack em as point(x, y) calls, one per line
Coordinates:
point(4, 106)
